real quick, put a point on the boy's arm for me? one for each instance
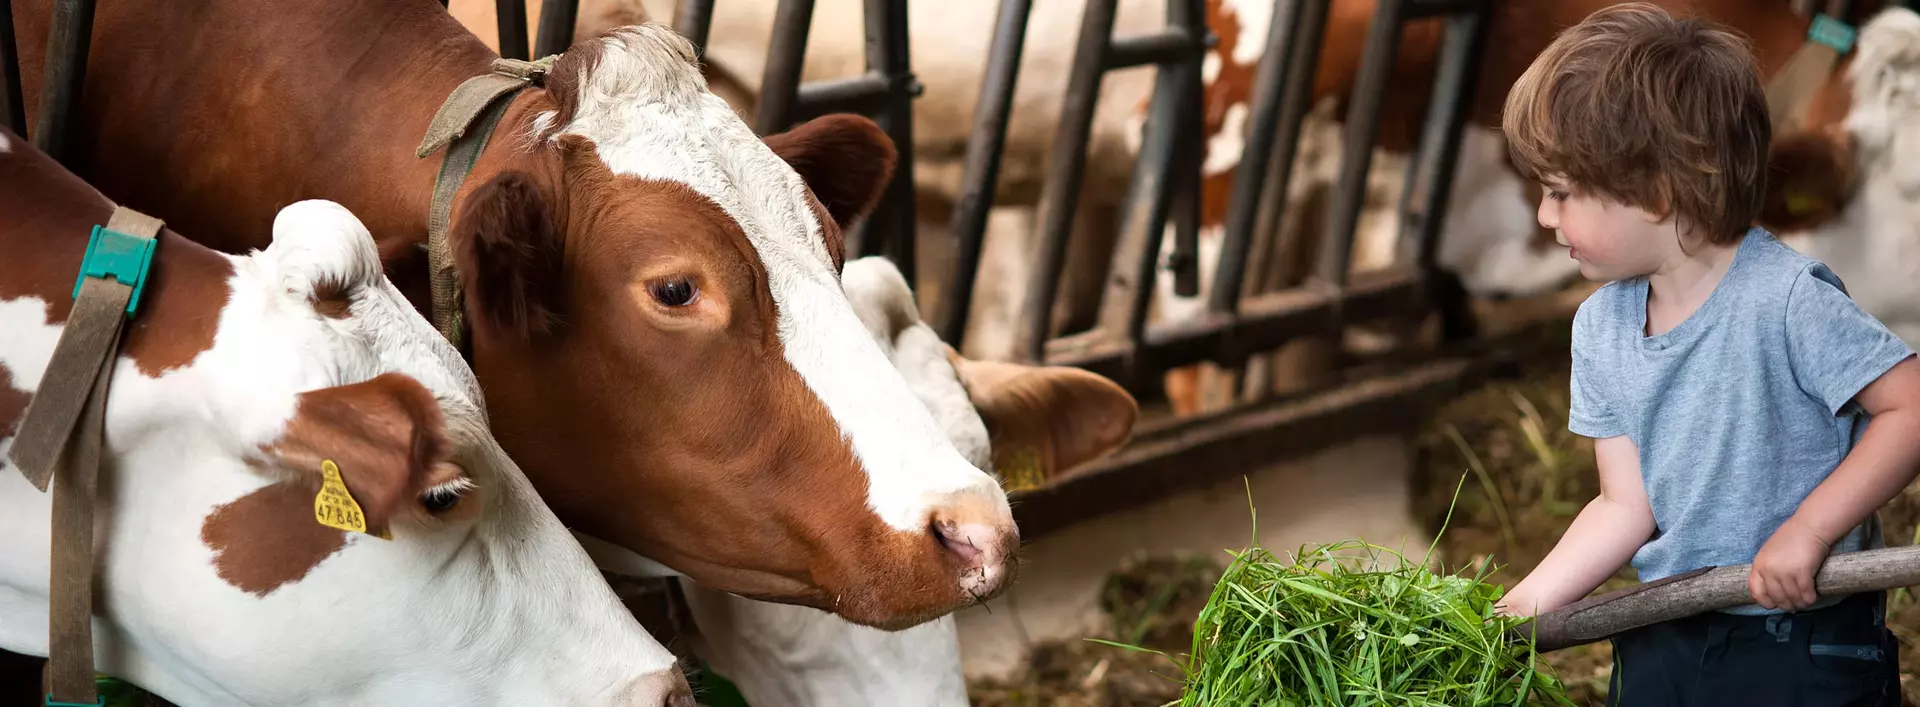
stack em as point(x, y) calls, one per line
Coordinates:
point(1602, 538)
point(1882, 464)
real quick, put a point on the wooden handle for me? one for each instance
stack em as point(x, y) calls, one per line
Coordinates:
point(1603, 616)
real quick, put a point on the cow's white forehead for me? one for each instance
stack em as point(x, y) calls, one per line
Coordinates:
point(649, 114)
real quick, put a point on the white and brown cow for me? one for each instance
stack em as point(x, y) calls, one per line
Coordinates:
point(650, 289)
point(1036, 420)
point(237, 378)
point(1863, 176)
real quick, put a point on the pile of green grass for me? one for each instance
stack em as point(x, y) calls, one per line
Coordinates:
point(1352, 624)
point(1338, 626)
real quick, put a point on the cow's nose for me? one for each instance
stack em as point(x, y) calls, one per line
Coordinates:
point(985, 542)
point(667, 688)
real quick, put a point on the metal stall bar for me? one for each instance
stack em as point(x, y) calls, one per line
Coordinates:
point(1363, 122)
point(1424, 201)
point(982, 168)
point(1168, 152)
point(556, 26)
point(1061, 193)
point(1183, 261)
point(510, 17)
point(13, 108)
point(694, 20)
point(1163, 47)
point(1283, 85)
point(885, 92)
point(66, 73)
point(889, 230)
point(1265, 322)
point(786, 54)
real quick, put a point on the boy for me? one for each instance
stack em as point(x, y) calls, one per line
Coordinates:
point(1728, 381)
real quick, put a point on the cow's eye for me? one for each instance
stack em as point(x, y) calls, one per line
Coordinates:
point(443, 498)
point(675, 292)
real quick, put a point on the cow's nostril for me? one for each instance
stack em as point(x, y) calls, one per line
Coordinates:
point(955, 540)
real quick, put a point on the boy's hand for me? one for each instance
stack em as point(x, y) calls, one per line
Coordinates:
point(1516, 604)
point(1782, 576)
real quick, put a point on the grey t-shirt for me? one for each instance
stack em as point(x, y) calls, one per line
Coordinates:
point(1738, 412)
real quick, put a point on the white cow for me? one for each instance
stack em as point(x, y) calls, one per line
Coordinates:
point(1059, 417)
point(1874, 244)
point(240, 377)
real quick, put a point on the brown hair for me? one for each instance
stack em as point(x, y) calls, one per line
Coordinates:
point(1662, 113)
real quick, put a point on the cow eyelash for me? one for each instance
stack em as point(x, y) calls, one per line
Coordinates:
point(445, 497)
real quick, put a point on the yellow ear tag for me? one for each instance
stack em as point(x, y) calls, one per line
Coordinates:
point(334, 506)
point(1801, 203)
point(1020, 469)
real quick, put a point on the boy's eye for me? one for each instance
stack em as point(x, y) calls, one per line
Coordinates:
point(1557, 195)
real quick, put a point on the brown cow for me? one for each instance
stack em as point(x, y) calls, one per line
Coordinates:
point(650, 288)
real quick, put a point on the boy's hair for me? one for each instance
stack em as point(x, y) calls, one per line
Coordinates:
point(1660, 113)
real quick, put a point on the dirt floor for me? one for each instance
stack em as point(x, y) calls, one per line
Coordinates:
point(1525, 477)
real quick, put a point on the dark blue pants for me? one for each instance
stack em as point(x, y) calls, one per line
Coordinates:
point(1839, 656)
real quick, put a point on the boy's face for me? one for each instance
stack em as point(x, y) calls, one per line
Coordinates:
point(1611, 240)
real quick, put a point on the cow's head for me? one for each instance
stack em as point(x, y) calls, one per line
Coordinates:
point(298, 384)
point(1857, 142)
point(654, 304)
point(1059, 415)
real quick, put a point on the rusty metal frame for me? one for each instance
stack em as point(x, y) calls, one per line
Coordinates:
point(510, 19)
point(68, 40)
point(885, 93)
point(556, 26)
point(12, 106)
point(1121, 345)
point(1171, 454)
point(981, 171)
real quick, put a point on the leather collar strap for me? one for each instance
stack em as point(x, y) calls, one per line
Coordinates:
point(463, 125)
point(73, 391)
point(1790, 93)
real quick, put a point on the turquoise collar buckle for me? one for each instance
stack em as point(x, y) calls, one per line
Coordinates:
point(50, 702)
point(123, 257)
point(1831, 32)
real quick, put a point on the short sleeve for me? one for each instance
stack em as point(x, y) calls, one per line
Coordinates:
point(1836, 348)
point(1591, 411)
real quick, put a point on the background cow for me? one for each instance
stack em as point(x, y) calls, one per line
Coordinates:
point(649, 288)
point(238, 377)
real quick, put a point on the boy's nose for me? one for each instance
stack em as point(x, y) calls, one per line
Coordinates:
point(1549, 215)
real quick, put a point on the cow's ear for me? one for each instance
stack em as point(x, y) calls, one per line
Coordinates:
point(1810, 178)
point(507, 245)
point(844, 158)
point(384, 438)
point(1045, 420)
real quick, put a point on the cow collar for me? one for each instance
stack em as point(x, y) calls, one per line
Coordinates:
point(463, 125)
point(64, 428)
point(1792, 89)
